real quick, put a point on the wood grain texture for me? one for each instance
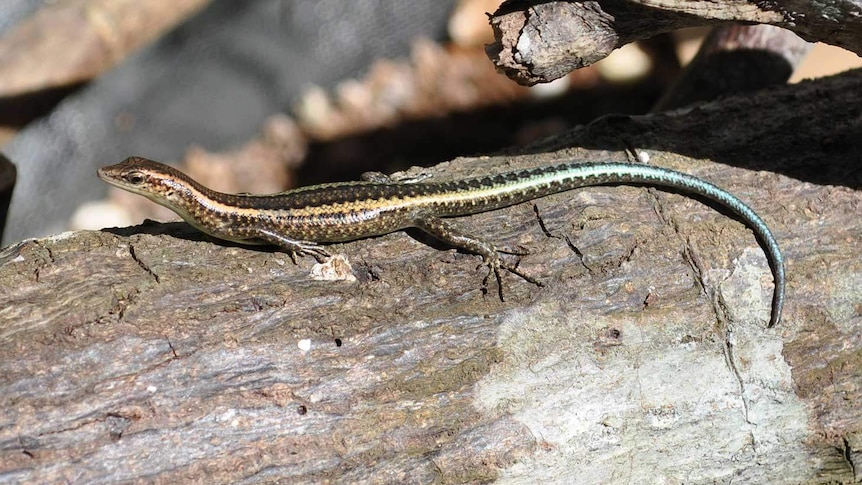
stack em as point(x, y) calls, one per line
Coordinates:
point(736, 59)
point(150, 354)
point(541, 41)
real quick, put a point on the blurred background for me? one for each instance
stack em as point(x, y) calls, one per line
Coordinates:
point(264, 95)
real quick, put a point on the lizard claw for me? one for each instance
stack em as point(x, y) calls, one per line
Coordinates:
point(316, 252)
point(496, 263)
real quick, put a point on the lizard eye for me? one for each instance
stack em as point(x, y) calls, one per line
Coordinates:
point(135, 178)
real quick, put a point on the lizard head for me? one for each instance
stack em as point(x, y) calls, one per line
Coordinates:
point(158, 182)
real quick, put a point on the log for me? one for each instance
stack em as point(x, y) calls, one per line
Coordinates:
point(151, 354)
point(736, 59)
point(541, 41)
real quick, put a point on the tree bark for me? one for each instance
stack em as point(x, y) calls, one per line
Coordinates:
point(151, 354)
point(542, 41)
point(736, 59)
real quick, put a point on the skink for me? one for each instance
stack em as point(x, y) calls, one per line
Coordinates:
point(299, 219)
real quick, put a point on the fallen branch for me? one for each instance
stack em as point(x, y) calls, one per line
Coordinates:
point(152, 354)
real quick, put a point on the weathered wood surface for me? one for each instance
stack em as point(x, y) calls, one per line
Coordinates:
point(736, 59)
point(541, 41)
point(149, 354)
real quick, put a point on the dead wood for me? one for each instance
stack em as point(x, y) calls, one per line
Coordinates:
point(542, 41)
point(152, 354)
point(736, 59)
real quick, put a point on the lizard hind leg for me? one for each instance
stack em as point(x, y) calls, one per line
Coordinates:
point(444, 232)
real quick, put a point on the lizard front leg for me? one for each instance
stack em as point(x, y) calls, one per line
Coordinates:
point(293, 247)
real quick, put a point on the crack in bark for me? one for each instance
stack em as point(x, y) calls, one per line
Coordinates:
point(579, 254)
point(542, 222)
point(627, 257)
point(173, 350)
point(42, 262)
point(691, 257)
point(27, 442)
point(565, 238)
point(122, 304)
point(847, 453)
point(142, 264)
point(731, 363)
point(74, 427)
